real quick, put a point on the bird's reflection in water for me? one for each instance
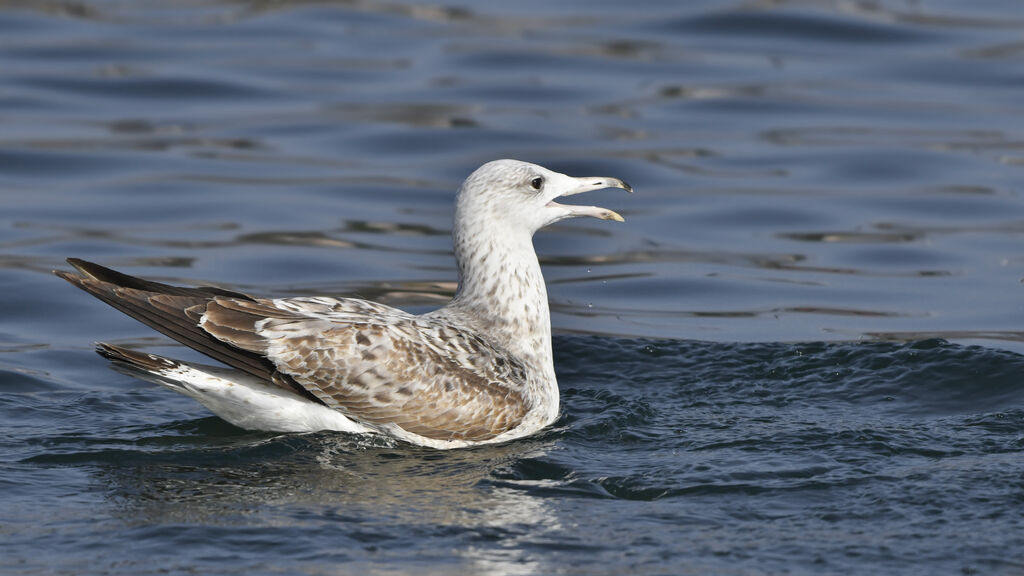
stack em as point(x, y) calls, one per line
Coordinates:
point(336, 492)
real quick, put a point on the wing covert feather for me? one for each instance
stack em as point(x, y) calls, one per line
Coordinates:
point(380, 365)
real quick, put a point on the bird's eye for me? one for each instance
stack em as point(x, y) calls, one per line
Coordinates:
point(536, 183)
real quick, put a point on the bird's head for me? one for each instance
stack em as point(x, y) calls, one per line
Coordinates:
point(519, 196)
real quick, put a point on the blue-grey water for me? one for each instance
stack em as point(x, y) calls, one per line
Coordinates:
point(801, 353)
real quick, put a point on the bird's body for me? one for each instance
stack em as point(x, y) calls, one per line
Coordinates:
point(479, 370)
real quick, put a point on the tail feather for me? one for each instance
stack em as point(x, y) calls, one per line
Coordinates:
point(148, 362)
point(242, 400)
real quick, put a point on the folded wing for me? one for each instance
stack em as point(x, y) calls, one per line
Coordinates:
point(376, 364)
point(379, 365)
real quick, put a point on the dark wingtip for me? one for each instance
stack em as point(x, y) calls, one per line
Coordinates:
point(87, 271)
point(79, 264)
point(97, 272)
point(83, 266)
point(68, 276)
point(64, 273)
point(94, 272)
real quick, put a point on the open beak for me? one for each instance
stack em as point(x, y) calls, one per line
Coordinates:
point(589, 184)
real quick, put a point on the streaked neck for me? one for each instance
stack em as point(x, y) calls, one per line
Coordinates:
point(501, 286)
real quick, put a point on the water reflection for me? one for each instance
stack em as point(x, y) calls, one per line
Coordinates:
point(851, 237)
point(952, 335)
point(638, 313)
point(339, 492)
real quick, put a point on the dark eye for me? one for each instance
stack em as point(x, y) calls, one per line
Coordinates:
point(536, 183)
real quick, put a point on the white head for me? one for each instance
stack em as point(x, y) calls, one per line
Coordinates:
point(520, 197)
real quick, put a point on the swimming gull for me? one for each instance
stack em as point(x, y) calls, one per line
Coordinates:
point(478, 370)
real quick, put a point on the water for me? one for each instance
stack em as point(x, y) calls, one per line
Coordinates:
point(800, 353)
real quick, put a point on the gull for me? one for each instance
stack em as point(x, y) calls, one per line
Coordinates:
point(479, 370)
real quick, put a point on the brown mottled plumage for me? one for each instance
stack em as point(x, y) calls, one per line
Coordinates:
point(477, 370)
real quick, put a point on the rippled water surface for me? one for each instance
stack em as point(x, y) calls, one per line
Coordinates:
point(801, 353)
